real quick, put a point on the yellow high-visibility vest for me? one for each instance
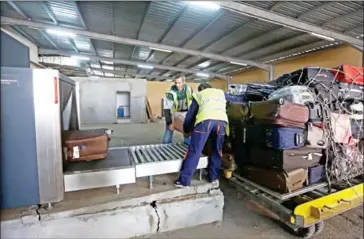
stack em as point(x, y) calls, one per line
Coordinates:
point(212, 106)
point(175, 99)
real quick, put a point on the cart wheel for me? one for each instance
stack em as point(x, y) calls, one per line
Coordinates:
point(281, 101)
point(306, 232)
point(319, 227)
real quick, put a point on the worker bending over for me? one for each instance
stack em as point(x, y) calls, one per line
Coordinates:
point(179, 99)
point(205, 118)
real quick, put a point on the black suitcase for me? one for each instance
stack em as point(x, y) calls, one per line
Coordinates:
point(285, 159)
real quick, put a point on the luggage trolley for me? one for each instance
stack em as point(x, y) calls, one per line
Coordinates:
point(304, 210)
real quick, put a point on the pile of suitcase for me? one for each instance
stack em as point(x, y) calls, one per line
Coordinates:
point(309, 129)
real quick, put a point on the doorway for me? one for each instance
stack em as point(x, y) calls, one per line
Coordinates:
point(122, 106)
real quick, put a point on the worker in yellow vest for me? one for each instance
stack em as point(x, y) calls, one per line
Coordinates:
point(206, 118)
point(179, 98)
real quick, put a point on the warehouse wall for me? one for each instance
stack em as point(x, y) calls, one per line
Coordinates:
point(98, 99)
point(156, 91)
point(325, 58)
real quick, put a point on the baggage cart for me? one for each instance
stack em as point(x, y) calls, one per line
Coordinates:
point(306, 209)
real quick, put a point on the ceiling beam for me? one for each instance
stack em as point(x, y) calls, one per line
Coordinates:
point(146, 9)
point(181, 13)
point(128, 41)
point(20, 12)
point(217, 16)
point(127, 62)
point(289, 22)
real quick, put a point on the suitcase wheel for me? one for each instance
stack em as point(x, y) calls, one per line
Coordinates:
point(307, 232)
point(319, 227)
point(281, 101)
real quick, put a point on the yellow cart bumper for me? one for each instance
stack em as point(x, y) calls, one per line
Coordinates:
point(325, 207)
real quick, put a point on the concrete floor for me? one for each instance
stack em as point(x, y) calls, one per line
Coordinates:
point(242, 219)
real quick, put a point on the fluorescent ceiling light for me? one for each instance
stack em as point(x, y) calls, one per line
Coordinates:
point(99, 73)
point(109, 74)
point(107, 67)
point(158, 49)
point(322, 36)
point(85, 58)
point(61, 33)
point(145, 66)
point(205, 4)
point(95, 65)
point(202, 74)
point(204, 64)
point(108, 62)
point(237, 63)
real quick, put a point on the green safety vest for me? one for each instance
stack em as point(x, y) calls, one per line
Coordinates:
point(212, 106)
point(175, 99)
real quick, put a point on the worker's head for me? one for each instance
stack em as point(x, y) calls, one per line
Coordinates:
point(180, 82)
point(203, 86)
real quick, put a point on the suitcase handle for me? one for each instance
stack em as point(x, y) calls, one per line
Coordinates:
point(299, 139)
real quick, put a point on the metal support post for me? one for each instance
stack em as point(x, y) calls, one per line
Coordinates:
point(201, 172)
point(49, 206)
point(229, 81)
point(151, 182)
point(117, 188)
point(271, 73)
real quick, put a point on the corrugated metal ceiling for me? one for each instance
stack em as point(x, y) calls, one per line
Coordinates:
point(183, 25)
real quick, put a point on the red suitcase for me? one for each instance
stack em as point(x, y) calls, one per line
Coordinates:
point(350, 74)
point(279, 112)
point(85, 145)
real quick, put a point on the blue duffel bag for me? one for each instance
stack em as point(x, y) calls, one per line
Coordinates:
point(275, 137)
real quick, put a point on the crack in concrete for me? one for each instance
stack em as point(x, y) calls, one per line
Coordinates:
point(37, 211)
point(154, 205)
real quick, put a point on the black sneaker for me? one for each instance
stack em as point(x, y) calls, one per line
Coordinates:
point(179, 185)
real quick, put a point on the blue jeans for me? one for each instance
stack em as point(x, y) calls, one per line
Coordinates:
point(168, 136)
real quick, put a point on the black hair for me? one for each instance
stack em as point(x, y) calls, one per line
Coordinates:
point(203, 86)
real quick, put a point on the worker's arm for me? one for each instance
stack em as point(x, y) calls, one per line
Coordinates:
point(167, 106)
point(190, 117)
point(229, 97)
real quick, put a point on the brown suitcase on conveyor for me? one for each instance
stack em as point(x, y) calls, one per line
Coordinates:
point(85, 145)
point(279, 181)
point(279, 112)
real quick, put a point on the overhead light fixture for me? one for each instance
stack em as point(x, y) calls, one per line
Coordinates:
point(84, 58)
point(205, 4)
point(238, 63)
point(61, 33)
point(204, 64)
point(145, 66)
point(322, 36)
point(107, 62)
point(106, 67)
point(158, 49)
point(95, 65)
point(202, 74)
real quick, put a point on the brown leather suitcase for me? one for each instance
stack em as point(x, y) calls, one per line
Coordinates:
point(285, 159)
point(280, 181)
point(85, 145)
point(178, 119)
point(279, 109)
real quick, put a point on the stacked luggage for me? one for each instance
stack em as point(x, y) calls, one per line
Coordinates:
point(306, 131)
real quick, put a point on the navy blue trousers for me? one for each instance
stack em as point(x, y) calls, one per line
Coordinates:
point(213, 129)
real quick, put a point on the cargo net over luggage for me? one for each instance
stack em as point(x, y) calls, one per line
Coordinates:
point(338, 94)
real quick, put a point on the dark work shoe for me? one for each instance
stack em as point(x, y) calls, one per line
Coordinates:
point(179, 185)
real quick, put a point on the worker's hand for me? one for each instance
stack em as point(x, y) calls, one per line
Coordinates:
point(171, 127)
point(186, 135)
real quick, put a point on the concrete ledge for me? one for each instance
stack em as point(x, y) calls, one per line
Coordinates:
point(140, 216)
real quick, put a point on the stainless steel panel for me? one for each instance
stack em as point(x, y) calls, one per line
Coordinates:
point(106, 178)
point(48, 135)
